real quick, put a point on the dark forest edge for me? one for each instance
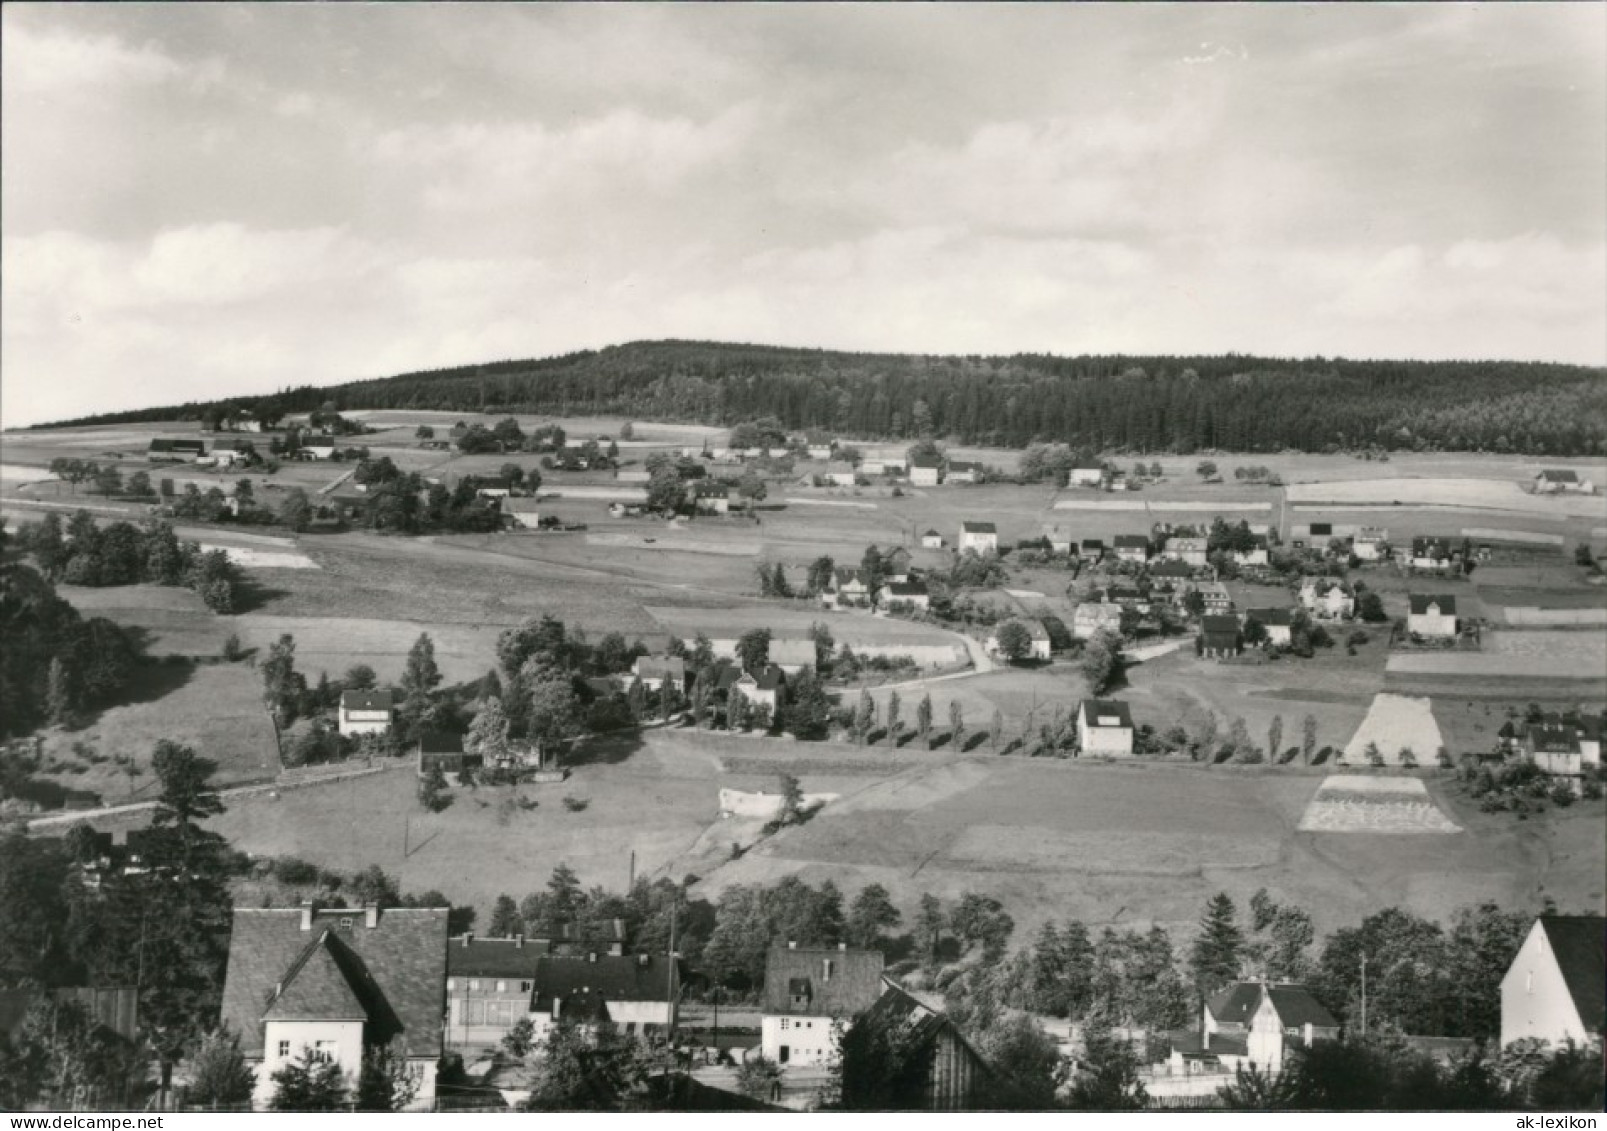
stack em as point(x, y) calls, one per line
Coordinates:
point(1123, 402)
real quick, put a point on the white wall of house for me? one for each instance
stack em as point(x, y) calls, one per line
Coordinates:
point(1087, 476)
point(978, 542)
point(1535, 1001)
point(1431, 624)
point(1117, 742)
point(797, 1038)
point(364, 722)
point(284, 1041)
point(924, 476)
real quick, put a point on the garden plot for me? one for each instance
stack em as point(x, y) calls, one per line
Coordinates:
point(1352, 803)
point(1559, 663)
point(1395, 724)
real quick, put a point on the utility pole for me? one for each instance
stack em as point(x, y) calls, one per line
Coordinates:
point(669, 976)
point(1364, 994)
point(632, 883)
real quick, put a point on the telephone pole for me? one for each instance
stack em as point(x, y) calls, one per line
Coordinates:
point(1364, 994)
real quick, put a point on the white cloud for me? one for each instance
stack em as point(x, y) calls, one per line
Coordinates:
point(44, 62)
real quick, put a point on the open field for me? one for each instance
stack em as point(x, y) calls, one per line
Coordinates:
point(1560, 664)
point(1394, 725)
point(1352, 803)
point(216, 708)
point(172, 621)
point(1481, 494)
point(794, 623)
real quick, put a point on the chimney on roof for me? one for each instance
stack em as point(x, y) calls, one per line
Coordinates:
point(467, 936)
point(306, 914)
point(371, 915)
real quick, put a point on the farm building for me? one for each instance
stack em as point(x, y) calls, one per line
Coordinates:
point(491, 486)
point(1059, 539)
point(1553, 481)
point(1092, 549)
point(1254, 1023)
point(1431, 614)
point(1092, 618)
point(821, 451)
point(230, 450)
point(762, 689)
point(636, 993)
point(979, 537)
point(1086, 477)
point(366, 712)
point(1172, 570)
point(1190, 551)
point(525, 513)
point(896, 564)
point(653, 671)
point(337, 982)
point(793, 655)
point(440, 748)
point(931, 540)
point(175, 451)
point(1127, 596)
point(1371, 544)
point(847, 589)
point(808, 993)
point(1039, 648)
point(905, 594)
point(926, 471)
point(1556, 751)
point(956, 1074)
point(961, 471)
point(1217, 599)
point(1132, 548)
point(1277, 622)
point(839, 474)
point(1219, 636)
point(711, 498)
point(1105, 726)
point(1556, 986)
point(1256, 555)
point(243, 421)
point(1433, 553)
point(1327, 598)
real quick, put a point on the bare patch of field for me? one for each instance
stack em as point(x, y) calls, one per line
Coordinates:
point(1396, 723)
point(1489, 665)
point(251, 558)
point(683, 545)
point(1351, 803)
point(1484, 494)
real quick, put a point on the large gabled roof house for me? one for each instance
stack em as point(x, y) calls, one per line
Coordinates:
point(1255, 1023)
point(847, 588)
point(334, 983)
point(167, 450)
point(1432, 553)
point(636, 993)
point(963, 471)
point(1556, 987)
point(979, 537)
point(1553, 480)
point(1132, 547)
point(1219, 636)
point(958, 1077)
point(1431, 614)
point(926, 471)
point(367, 712)
point(808, 993)
point(912, 595)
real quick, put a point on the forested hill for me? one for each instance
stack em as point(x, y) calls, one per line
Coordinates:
point(1134, 403)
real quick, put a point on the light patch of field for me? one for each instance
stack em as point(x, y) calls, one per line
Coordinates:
point(1486, 494)
point(684, 545)
point(1352, 803)
point(578, 491)
point(1582, 651)
point(1493, 665)
point(1031, 848)
point(1395, 723)
point(251, 558)
point(793, 500)
point(1185, 506)
point(1529, 537)
point(333, 644)
point(17, 473)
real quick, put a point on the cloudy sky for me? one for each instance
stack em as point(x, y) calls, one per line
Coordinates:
point(215, 199)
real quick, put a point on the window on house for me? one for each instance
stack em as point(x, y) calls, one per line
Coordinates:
point(345, 922)
point(502, 987)
point(526, 987)
point(786, 1024)
point(474, 983)
point(829, 967)
point(323, 1051)
point(284, 1049)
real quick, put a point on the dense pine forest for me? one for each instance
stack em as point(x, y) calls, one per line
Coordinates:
point(1124, 403)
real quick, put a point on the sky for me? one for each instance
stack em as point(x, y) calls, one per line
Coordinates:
point(202, 201)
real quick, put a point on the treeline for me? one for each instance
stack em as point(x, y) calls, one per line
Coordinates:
point(54, 663)
point(1134, 403)
point(81, 552)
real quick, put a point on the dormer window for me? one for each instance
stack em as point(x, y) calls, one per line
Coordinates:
point(346, 922)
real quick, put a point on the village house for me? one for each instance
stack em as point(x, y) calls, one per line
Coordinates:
point(1277, 622)
point(931, 540)
point(1086, 477)
point(636, 993)
point(962, 471)
point(653, 671)
point(1105, 726)
point(1554, 481)
point(1059, 539)
point(1431, 615)
point(905, 595)
point(243, 421)
point(489, 984)
point(334, 983)
point(979, 537)
point(1256, 555)
point(1092, 550)
point(1327, 598)
point(1556, 986)
point(820, 451)
point(808, 994)
point(1172, 570)
point(1127, 596)
point(1371, 544)
point(230, 450)
point(1254, 1023)
point(1191, 551)
point(175, 451)
point(925, 471)
point(711, 498)
point(1218, 601)
point(317, 447)
point(491, 486)
point(847, 589)
point(762, 689)
point(839, 474)
point(1433, 553)
point(1132, 548)
point(1219, 636)
point(1040, 647)
point(1556, 751)
point(1094, 617)
point(366, 712)
point(444, 750)
point(522, 513)
point(793, 654)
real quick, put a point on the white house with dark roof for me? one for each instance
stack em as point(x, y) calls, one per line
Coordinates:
point(1431, 615)
point(1432, 553)
point(1371, 543)
point(846, 589)
point(1132, 548)
point(1260, 1022)
point(931, 540)
point(963, 471)
point(711, 498)
point(979, 537)
point(1086, 476)
point(1059, 538)
point(1094, 617)
point(1556, 986)
point(762, 689)
point(839, 474)
point(1556, 481)
point(1191, 551)
point(1327, 598)
point(808, 994)
point(1105, 726)
point(366, 712)
point(334, 983)
point(926, 471)
point(1279, 623)
point(911, 595)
